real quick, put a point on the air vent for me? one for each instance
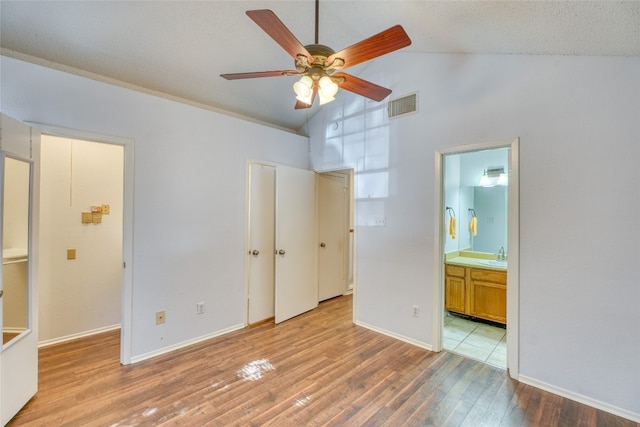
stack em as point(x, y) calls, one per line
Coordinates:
point(403, 106)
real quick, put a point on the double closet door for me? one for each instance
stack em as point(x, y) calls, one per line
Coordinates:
point(282, 243)
point(298, 240)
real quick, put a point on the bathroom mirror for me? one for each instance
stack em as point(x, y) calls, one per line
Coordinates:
point(462, 174)
point(16, 196)
point(490, 205)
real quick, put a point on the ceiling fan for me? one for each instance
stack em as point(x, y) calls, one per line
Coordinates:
point(317, 64)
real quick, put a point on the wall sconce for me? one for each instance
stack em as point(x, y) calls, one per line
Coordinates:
point(494, 176)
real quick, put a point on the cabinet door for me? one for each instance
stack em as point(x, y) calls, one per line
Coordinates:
point(488, 300)
point(454, 294)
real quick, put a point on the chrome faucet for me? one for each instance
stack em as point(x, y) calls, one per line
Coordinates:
point(501, 255)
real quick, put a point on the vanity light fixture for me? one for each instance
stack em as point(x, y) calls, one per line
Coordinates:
point(494, 176)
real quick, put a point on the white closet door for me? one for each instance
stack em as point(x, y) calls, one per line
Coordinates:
point(296, 260)
point(332, 234)
point(261, 242)
point(18, 296)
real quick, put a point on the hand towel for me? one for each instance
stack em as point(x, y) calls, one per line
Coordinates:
point(452, 227)
point(473, 226)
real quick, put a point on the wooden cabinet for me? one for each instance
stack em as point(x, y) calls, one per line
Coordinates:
point(455, 289)
point(476, 292)
point(488, 294)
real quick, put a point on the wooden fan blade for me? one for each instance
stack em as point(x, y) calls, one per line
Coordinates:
point(301, 105)
point(272, 25)
point(382, 43)
point(252, 75)
point(363, 87)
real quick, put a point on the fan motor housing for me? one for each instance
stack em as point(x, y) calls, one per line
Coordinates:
point(320, 54)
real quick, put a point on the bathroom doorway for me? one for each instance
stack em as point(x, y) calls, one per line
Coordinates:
point(477, 251)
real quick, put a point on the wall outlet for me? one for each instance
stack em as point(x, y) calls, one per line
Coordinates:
point(200, 308)
point(106, 209)
point(160, 317)
point(416, 311)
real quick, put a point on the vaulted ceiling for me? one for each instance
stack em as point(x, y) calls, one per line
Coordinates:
point(179, 48)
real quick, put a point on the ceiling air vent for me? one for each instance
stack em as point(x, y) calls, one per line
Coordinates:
point(403, 106)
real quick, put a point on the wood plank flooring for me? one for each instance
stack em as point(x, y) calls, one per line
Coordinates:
point(317, 369)
point(6, 337)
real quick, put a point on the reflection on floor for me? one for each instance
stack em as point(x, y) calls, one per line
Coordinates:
point(475, 340)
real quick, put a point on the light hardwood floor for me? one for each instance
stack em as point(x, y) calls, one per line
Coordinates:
point(316, 369)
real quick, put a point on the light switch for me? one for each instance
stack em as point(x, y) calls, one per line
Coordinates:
point(96, 217)
point(71, 254)
point(87, 217)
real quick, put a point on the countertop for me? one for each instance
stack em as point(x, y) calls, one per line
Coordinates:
point(474, 259)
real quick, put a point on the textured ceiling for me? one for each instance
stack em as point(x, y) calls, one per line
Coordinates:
point(179, 48)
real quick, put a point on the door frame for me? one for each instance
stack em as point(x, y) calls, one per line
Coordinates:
point(349, 172)
point(126, 322)
point(513, 243)
point(346, 235)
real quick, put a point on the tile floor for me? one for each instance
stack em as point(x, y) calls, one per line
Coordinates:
point(475, 340)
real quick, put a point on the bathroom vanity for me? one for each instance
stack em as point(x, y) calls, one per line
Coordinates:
point(476, 285)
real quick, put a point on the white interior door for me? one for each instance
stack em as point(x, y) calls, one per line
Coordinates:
point(332, 234)
point(18, 302)
point(296, 258)
point(261, 243)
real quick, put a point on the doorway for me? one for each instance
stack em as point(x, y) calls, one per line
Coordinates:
point(477, 253)
point(96, 188)
point(335, 234)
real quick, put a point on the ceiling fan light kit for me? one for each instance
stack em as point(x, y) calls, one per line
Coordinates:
point(317, 64)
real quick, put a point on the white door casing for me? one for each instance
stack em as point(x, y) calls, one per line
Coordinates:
point(513, 238)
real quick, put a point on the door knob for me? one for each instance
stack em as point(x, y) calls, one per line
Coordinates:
point(255, 252)
point(1, 293)
point(322, 245)
point(281, 252)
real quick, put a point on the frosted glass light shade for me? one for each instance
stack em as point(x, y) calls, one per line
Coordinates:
point(327, 90)
point(304, 89)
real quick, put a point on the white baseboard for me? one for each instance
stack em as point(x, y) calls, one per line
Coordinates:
point(164, 350)
point(580, 398)
point(396, 336)
point(78, 335)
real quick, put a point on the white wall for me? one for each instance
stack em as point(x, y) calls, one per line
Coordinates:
point(578, 119)
point(84, 294)
point(190, 193)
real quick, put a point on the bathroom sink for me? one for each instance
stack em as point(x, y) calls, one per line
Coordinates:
point(493, 263)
